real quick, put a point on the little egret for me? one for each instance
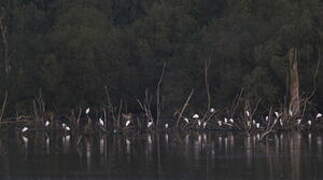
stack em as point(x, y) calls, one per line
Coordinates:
point(47, 123)
point(212, 110)
point(149, 124)
point(127, 123)
point(199, 122)
point(87, 111)
point(166, 125)
point(319, 115)
point(257, 125)
point(101, 122)
point(186, 120)
point(248, 113)
point(196, 116)
point(25, 129)
point(204, 124)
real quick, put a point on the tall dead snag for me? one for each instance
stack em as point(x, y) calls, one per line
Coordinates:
point(158, 94)
point(294, 102)
point(4, 38)
point(207, 64)
point(184, 107)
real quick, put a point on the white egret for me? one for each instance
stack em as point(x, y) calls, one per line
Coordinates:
point(248, 113)
point(290, 113)
point(299, 121)
point(231, 120)
point(186, 120)
point(127, 141)
point(253, 122)
point(67, 128)
point(319, 115)
point(196, 116)
point(225, 120)
point(63, 125)
point(276, 114)
point(212, 110)
point(204, 124)
point(166, 125)
point(309, 122)
point(127, 123)
point(101, 122)
point(199, 122)
point(149, 124)
point(220, 123)
point(257, 125)
point(266, 118)
point(47, 123)
point(87, 111)
point(25, 129)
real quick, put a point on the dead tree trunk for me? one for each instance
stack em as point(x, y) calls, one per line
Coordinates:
point(294, 99)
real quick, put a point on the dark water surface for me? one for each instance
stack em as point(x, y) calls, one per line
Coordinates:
point(163, 156)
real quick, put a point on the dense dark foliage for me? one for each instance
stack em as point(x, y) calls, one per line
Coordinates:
point(71, 49)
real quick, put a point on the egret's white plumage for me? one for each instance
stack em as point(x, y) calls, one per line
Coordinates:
point(257, 125)
point(266, 118)
point(67, 128)
point(47, 123)
point(231, 120)
point(87, 111)
point(199, 122)
point(290, 113)
point(319, 115)
point(24, 129)
point(166, 125)
point(299, 121)
point(149, 124)
point(248, 113)
point(220, 123)
point(63, 125)
point(225, 120)
point(309, 122)
point(186, 120)
point(127, 123)
point(196, 116)
point(101, 122)
point(212, 110)
point(204, 124)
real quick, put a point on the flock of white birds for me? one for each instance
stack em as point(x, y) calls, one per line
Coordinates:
point(201, 122)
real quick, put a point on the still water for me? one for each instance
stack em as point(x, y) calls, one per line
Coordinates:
point(163, 156)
